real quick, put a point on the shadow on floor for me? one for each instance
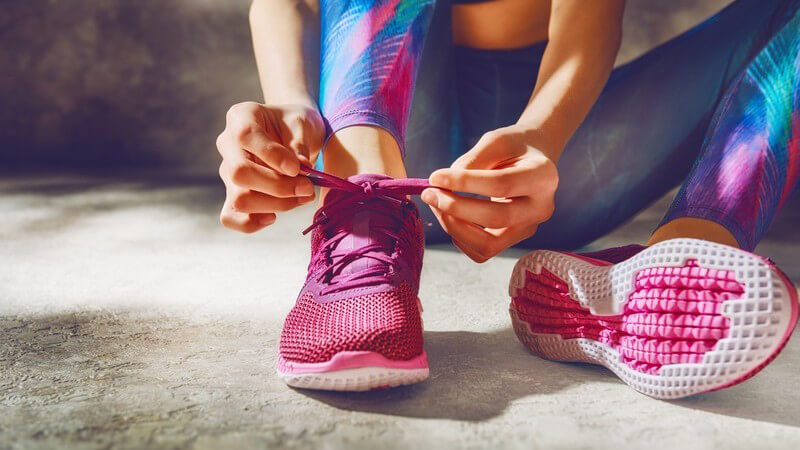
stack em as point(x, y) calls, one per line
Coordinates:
point(474, 377)
point(770, 397)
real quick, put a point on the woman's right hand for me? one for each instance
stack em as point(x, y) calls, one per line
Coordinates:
point(262, 148)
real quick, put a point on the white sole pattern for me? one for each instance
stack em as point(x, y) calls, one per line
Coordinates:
point(760, 321)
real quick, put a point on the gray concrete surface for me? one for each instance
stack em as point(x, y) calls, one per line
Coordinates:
point(130, 319)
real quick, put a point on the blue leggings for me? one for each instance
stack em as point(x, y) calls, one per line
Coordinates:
point(715, 108)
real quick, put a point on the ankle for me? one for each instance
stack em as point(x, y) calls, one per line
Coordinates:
point(692, 227)
point(363, 149)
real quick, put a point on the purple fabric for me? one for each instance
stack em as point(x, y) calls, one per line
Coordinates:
point(750, 162)
point(663, 101)
point(370, 56)
point(368, 235)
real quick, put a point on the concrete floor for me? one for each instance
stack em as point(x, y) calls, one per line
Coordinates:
point(129, 318)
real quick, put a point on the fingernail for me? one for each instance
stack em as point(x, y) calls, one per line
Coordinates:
point(304, 189)
point(430, 197)
point(304, 200)
point(267, 220)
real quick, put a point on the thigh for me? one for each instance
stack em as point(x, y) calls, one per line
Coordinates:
point(647, 127)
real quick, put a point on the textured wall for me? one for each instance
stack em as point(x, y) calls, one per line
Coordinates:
point(147, 82)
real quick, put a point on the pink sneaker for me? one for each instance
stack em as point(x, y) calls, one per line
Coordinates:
point(679, 318)
point(357, 324)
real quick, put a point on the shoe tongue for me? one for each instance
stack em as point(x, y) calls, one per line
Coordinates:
point(364, 221)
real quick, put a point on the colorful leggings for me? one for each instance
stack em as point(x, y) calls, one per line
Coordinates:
point(719, 103)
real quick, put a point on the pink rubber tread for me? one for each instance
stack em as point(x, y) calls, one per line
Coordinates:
point(672, 316)
point(679, 318)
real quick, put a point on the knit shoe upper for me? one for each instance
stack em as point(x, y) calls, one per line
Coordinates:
point(361, 290)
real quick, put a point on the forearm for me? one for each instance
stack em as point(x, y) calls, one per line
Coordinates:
point(286, 43)
point(584, 38)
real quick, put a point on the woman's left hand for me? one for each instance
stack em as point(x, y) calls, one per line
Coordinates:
point(520, 180)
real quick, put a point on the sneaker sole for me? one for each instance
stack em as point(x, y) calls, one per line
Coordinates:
point(703, 316)
point(354, 371)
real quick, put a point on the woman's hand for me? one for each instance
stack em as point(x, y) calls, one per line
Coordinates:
point(262, 148)
point(507, 166)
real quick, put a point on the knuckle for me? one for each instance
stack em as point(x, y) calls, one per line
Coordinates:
point(234, 111)
point(496, 137)
point(240, 172)
point(478, 258)
point(492, 135)
point(240, 201)
point(225, 219)
point(244, 130)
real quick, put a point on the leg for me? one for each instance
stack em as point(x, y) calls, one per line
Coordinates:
point(646, 129)
point(356, 324)
point(370, 56)
point(750, 163)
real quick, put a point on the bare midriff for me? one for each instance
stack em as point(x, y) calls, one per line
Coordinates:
point(501, 24)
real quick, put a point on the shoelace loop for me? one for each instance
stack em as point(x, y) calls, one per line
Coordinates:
point(387, 189)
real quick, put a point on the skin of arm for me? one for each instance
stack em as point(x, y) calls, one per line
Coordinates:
point(286, 44)
point(263, 144)
point(584, 38)
point(515, 166)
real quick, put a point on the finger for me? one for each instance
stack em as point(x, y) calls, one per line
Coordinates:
point(508, 237)
point(249, 175)
point(491, 150)
point(483, 244)
point(468, 237)
point(257, 202)
point(246, 122)
point(269, 151)
point(465, 249)
point(487, 213)
point(468, 251)
point(500, 183)
point(243, 222)
point(298, 142)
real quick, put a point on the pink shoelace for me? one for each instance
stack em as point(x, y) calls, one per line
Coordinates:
point(386, 230)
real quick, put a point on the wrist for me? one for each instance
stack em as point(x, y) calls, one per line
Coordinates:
point(549, 143)
point(290, 97)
